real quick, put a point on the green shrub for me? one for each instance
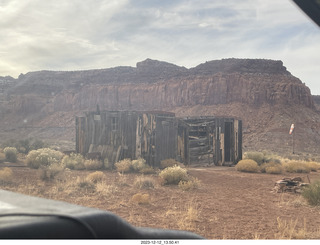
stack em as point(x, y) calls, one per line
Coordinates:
point(247, 165)
point(74, 161)
point(173, 175)
point(93, 164)
point(123, 166)
point(312, 193)
point(5, 175)
point(96, 177)
point(271, 168)
point(43, 157)
point(296, 167)
point(11, 154)
point(258, 157)
point(191, 184)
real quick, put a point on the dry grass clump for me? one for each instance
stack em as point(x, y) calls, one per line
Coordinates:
point(5, 175)
point(93, 164)
point(169, 163)
point(289, 230)
point(186, 217)
point(143, 182)
point(313, 166)
point(296, 167)
point(173, 175)
point(74, 161)
point(247, 165)
point(96, 177)
point(123, 166)
point(11, 154)
point(107, 190)
point(191, 184)
point(51, 171)
point(140, 198)
point(271, 168)
point(43, 157)
point(86, 185)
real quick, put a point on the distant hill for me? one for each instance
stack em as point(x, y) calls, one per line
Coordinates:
point(262, 92)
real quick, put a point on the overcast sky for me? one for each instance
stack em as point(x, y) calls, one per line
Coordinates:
point(75, 34)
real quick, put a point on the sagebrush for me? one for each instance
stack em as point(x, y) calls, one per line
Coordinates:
point(5, 175)
point(43, 157)
point(11, 154)
point(173, 175)
point(73, 161)
point(247, 165)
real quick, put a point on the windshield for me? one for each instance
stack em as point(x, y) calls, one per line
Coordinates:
point(187, 115)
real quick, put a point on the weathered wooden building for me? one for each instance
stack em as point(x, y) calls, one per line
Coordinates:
point(127, 134)
point(210, 140)
point(156, 136)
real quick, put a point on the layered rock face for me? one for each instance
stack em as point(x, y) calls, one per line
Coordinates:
point(155, 85)
point(159, 85)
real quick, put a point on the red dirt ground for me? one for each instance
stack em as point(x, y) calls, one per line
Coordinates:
point(228, 204)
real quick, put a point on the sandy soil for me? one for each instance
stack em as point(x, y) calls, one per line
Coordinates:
point(228, 204)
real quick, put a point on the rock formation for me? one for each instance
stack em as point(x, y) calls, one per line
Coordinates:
point(234, 87)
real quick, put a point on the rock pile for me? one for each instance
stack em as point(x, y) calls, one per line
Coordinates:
point(294, 185)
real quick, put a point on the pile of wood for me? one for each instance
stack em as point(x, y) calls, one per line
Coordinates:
point(294, 185)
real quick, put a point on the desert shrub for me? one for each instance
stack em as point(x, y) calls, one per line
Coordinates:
point(173, 175)
point(92, 164)
point(96, 177)
point(25, 145)
point(258, 157)
point(312, 193)
point(144, 183)
point(123, 166)
point(191, 184)
point(271, 168)
point(296, 167)
point(11, 154)
point(141, 198)
point(169, 163)
point(247, 165)
point(313, 166)
point(276, 169)
point(5, 175)
point(43, 157)
point(51, 171)
point(138, 165)
point(74, 161)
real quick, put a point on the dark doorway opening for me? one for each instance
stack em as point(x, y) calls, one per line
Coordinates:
point(228, 141)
